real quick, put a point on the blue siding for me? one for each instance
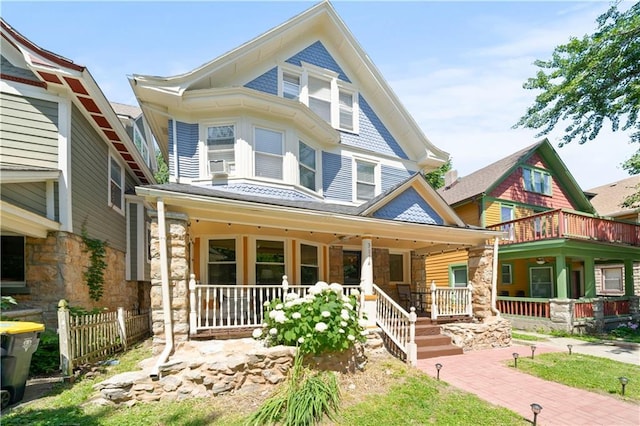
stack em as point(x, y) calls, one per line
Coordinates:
point(409, 207)
point(373, 136)
point(187, 149)
point(336, 177)
point(392, 176)
point(267, 82)
point(317, 55)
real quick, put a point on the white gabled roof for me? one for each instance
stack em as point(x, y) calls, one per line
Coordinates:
point(157, 95)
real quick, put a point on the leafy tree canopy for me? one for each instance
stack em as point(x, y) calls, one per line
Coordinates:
point(436, 177)
point(592, 79)
point(162, 174)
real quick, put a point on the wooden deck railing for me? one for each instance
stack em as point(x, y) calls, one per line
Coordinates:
point(528, 307)
point(616, 307)
point(565, 224)
point(583, 309)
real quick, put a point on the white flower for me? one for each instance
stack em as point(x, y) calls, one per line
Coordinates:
point(336, 288)
point(300, 339)
point(281, 317)
point(355, 292)
point(325, 314)
point(364, 332)
point(351, 337)
point(343, 323)
point(273, 331)
point(321, 286)
point(265, 304)
point(265, 325)
point(313, 291)
point(257, 333)
point(279, 306)
point(344, 314)
point(296, 315)
point(272, 314)
point(346, 299)
point(362, 322)
point(320, 327)
point(291, 296)
point(348, 306)
point(340, 330)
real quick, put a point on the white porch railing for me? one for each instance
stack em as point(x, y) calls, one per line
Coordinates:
point(236, 306)
point(398, 324)
point(451, 301)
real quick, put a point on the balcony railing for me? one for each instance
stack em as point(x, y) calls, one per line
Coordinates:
point(564, 224)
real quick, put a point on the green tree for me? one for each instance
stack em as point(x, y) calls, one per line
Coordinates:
point(436, 177)
point(162, 174)
point(591, 81)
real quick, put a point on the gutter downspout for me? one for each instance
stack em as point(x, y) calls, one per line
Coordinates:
point(166, 296)
point(494, 278)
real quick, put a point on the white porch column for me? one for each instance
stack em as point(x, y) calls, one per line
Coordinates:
point(366, 273)
point(366, 282)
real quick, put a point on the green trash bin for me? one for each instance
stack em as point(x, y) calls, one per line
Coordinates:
point(19, 340)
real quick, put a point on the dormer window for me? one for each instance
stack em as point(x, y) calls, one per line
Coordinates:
point(221, 149)
point(536, 180)
point(332, 99)
point(365, 177)
point(268, 153)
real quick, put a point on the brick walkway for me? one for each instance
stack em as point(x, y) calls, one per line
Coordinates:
point(485, 374)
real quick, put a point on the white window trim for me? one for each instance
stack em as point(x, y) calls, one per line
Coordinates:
point(320, 265)
point(606, 291)
point(204, 151)
point(377, 177)
point(120, 210)
point(336, 84)
point(531, 171)
point(456, 266)
point(204, 256)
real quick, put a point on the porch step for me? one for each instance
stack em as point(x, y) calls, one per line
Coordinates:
point(431, 343)
point(436, 351)
point(426, 329)
point(433, 340)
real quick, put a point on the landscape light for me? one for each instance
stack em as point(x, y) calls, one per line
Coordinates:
point(438, 367)
point(536, 408)
point(623, 382)
point(515, 359)
point(570, 347)
point(533, 350)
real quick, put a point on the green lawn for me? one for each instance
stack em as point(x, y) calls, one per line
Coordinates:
point(388, 392)
point(591, 373)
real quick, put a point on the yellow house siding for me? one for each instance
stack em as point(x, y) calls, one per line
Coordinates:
point(437, 266)
point(491, 213)
point(520, 277)
point(469, 213)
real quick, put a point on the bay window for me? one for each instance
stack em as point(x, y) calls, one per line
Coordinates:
point(307, 165)
point(268, 153)
point(221, 149)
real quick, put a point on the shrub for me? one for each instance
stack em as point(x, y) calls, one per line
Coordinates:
point(324, 320)
point(630, 329)
point(46, 359)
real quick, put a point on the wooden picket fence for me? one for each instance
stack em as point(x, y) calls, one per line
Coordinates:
point(94, 337)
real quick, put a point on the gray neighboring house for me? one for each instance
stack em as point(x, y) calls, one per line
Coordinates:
point(69, 162)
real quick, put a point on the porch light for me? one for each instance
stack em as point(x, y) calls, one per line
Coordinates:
point(439, 366)
point(623, 382)
point(540, 261)
point(533, 350)
point(569, 347)
point(535, 408)
point(515, 359)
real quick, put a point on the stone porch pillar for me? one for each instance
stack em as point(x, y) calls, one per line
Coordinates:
point(480, 268)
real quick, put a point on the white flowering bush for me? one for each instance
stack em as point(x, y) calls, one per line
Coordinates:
point(324, 320)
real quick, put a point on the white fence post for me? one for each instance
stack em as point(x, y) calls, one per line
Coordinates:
point(434, 302)
point(412, 347)
point(470, 299)
point(193, 316)
point(64, 336)
point(122, 328)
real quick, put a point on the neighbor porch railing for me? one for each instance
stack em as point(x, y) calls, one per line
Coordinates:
point(521, 306)
point(565, 224)
point(87, 338)
point(236, 306)
point(397, 324)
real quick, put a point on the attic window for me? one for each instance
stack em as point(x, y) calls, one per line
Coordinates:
point(334, 100)
point(536, 180)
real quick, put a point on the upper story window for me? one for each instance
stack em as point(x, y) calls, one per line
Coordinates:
point(268, 153)
point(365, 180)
point(334, 100)
point(221, 149)
point(307, 165)
point(116, 184)
point(536, 180)
point(291, 86)
point(140, 142)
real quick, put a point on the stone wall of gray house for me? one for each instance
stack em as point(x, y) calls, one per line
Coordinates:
point(55, 269)
point(178, 259)
point(480, 271)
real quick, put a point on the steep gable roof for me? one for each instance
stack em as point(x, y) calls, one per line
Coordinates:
point(608, 198)
point(483, 181)
point(51, 71)
point(274, 47)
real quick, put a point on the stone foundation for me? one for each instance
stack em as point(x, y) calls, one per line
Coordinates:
point(55, 270)
point(493, 333)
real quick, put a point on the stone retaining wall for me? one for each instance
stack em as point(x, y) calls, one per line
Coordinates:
point(493, 333)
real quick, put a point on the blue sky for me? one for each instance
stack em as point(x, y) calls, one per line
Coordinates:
point(458, 67)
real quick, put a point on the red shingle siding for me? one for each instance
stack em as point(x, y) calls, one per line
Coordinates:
point(512, 188)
